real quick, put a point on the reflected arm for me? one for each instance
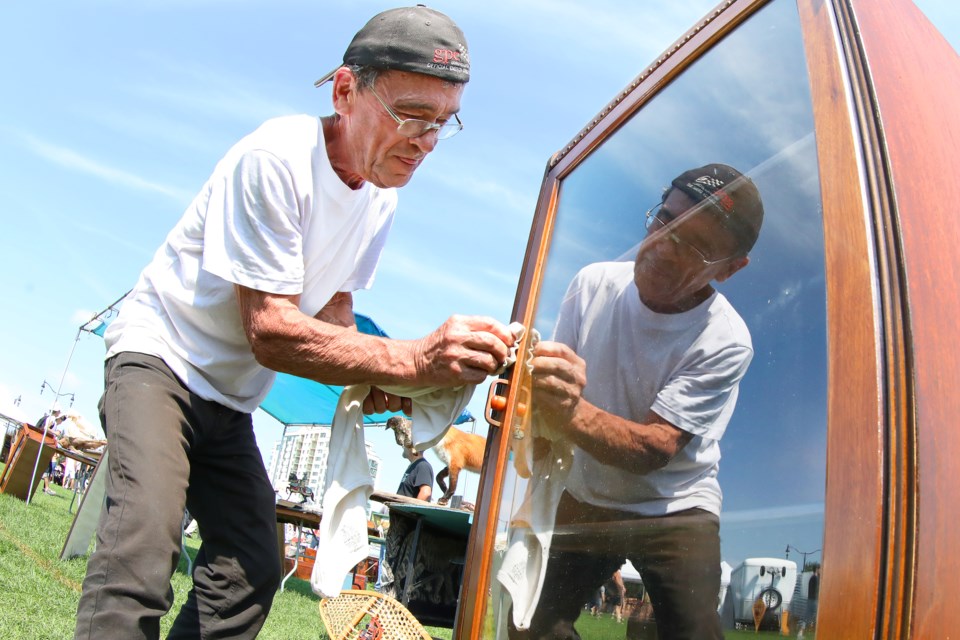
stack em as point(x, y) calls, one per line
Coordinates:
point(559, 377)
point(636, 447)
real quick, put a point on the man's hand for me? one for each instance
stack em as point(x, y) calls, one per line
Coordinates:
point(464, 350)
point(559, 376)
point(378, 401)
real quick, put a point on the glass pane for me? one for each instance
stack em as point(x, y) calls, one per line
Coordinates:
point(676, 377)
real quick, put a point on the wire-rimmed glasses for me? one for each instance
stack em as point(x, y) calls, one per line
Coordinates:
point(414, 128)
point(659, 219)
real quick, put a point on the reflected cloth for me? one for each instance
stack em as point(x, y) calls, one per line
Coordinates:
point(531, 528)
point(347, 485)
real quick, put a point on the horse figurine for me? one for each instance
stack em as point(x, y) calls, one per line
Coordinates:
point(300, 488)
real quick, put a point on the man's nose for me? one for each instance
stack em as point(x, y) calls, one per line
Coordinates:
point(661, 243)
point(427, 142)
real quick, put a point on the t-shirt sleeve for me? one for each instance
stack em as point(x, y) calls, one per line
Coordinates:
point(567, 327)
point(252, 232)
point(423, 475)
point(701, 397)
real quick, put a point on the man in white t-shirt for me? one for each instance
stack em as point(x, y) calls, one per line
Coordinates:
point(257, 277)
point(642, 378)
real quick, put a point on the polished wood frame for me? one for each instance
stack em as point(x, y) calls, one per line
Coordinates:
point(886, 99)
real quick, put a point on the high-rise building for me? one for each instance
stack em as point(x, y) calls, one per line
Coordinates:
point(304, 450)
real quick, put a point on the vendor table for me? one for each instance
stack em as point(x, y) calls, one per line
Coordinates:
point(291, 513)
point(425, 550)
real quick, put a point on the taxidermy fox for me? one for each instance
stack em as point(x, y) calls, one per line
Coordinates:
point(457, 449)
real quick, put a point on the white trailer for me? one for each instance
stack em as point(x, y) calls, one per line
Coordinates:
point(771, 580)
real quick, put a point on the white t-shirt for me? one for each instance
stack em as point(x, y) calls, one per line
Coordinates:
point(686, 367)
point(273, 217)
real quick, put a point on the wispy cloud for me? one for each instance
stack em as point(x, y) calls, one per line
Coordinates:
point(198, 89)
point(786, 512)
point(116, 240)
point(171, 131)
point(627, 30)
point(411, 268)
point(76, 161)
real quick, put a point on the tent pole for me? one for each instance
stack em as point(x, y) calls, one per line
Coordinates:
point(36, 463)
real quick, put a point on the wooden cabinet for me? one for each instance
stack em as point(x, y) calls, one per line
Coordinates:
point(846, 114)
point(18, 477)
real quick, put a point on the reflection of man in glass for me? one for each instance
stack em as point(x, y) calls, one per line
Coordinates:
point(642, 379)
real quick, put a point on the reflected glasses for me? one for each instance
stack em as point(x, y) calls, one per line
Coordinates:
point(413, 128)
point(659, 219)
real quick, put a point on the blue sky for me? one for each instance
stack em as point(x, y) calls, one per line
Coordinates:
point(114, 113)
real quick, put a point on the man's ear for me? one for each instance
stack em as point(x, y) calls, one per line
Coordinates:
point(732, 267)
point(344, 90)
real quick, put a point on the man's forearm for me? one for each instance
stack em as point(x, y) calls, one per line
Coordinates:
point(337, 355)
point(327, 348)
point(463, 350)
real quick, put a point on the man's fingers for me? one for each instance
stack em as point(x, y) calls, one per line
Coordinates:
point(379, 401)
point(486, 324)
point(375, 402)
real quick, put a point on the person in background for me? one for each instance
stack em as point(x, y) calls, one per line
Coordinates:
point(417, 481)
point(813, 598)
point(258, 277)
point(614, 593)
point(54, 425)
point(48, 420)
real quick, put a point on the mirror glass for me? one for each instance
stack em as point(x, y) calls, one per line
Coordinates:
point(694, 462)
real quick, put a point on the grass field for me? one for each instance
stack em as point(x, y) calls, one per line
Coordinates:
point(605, 627)
point(39, 592)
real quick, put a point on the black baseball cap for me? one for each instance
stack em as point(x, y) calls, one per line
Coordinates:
point(732, 196)
point(417, 39)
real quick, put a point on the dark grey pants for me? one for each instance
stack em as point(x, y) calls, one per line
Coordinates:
point(677, 556)
point(169, 449)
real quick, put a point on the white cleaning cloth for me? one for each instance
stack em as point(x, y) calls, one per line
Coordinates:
point(347, 486)
point(531, 527)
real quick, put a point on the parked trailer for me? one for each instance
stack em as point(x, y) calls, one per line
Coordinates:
point(771, 580)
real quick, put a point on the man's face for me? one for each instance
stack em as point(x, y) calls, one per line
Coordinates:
point(669, 270)
point(409, 454)
point(377, 151)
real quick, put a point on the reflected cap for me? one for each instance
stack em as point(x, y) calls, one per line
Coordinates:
point(416, 39)
point(732, 196)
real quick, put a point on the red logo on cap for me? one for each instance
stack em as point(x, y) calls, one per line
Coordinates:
point(444, 56)
point(725, 200)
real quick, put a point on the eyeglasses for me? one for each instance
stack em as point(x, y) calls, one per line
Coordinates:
point(659, 219)
point(413, 128)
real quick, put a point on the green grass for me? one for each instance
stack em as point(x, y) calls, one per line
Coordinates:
point(604, 627)
point(39, 592)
